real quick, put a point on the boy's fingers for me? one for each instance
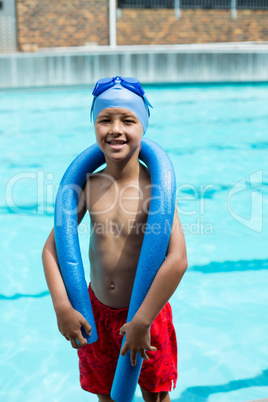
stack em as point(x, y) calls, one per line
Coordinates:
point(133, 357)
point(74, 344)
point(122, 330)
point(152, 348)
point(124, 350)
point(81, 340)
point(146, 357)
point(86, 326)
point(143, 354)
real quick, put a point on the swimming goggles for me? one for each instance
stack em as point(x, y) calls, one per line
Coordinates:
point(132, 84)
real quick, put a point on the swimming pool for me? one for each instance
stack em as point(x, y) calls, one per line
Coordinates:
point(216, 137)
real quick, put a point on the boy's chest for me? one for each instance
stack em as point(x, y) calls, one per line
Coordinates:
point(123, 207)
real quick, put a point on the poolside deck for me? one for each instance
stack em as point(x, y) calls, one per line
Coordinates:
point(259, 400)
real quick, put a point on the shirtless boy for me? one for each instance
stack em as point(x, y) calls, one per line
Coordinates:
point(120, 195)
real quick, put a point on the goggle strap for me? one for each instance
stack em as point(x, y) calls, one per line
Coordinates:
point(147, 102)
point(91, 110)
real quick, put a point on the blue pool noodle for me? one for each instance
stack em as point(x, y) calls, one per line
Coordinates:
point(152, 255)
point(66, 233)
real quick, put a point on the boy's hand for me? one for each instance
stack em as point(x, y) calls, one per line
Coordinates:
point(138, 339)
point(70, 322)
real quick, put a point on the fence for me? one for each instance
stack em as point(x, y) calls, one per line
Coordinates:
point(193, 4)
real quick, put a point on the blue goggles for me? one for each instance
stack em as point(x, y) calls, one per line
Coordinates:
point(132, 84)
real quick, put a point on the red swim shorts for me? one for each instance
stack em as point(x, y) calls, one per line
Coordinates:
point(97, 361)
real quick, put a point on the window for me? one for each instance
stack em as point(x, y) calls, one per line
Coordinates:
point(204, 4)
point(145, 3)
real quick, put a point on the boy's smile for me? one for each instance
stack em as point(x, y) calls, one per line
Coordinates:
point(118, 133)
point(116, 144)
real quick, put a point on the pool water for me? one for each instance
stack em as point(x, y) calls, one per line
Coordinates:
point(216, 137)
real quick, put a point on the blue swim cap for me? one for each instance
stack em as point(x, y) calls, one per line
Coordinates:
point(119, 96)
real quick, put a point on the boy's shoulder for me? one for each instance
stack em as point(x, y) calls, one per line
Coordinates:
point(96, 181)
point(98, 178)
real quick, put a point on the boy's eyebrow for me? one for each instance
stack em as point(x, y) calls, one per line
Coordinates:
point(124, 114)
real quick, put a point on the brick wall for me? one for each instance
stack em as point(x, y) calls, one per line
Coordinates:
point(53, 23)
point(194, 26)
point(48, 23)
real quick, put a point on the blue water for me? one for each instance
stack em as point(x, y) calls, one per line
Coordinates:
point(217, 138)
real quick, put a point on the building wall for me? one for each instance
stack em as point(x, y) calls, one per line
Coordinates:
point(47, 23)
point(50, 23)
point(194, 26)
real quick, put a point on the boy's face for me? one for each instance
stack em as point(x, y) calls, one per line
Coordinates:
point(118, 133)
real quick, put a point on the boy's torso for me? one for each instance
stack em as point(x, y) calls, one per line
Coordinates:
point(118, 213)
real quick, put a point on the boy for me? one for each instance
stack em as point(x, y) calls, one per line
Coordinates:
point(120, 195)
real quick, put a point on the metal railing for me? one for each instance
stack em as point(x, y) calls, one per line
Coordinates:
point(192, 4)
point(145, 3)
point(252, 4)
point(206, 4)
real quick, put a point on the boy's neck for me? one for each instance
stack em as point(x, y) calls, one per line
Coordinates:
point(124, 171)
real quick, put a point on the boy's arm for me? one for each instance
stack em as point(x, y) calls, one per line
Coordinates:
point(164, 285)
point(69, 320)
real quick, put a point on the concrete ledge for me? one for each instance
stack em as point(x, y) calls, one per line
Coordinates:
point(259, 400)
point(196, 63)
point(230, 47)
